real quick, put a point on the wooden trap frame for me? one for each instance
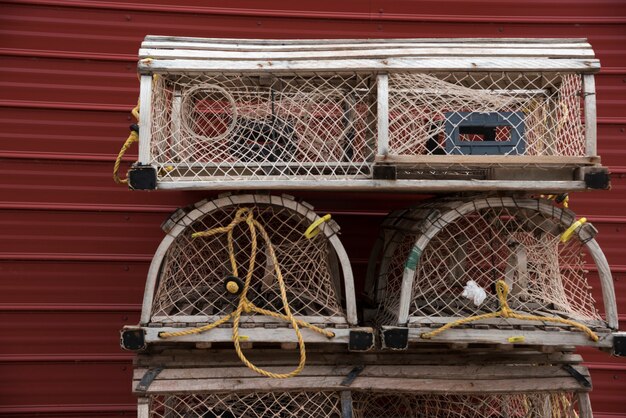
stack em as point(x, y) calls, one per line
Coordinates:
point(189, 299)
point(455, 114)
point(528, 384)
point(426, 256)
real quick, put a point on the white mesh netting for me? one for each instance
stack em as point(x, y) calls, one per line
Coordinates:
point(486, 114)
point(489, 241)
point(536, 405)
point(237, 126)
point(247, 405)
point(191, 281)
point(364, 405)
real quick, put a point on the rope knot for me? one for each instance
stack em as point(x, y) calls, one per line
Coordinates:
point(502, 291)
point(246, 305)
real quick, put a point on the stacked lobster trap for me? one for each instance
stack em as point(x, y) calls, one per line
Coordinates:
point(476, 301)
point(491, 270)
point(398, 114)
point(392, 386)
point(253, 265)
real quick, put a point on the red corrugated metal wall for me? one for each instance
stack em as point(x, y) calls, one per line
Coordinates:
point(74, 248)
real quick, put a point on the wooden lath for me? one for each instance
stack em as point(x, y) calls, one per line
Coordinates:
point(471, 54)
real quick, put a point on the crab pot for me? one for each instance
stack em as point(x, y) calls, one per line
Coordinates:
point(425, 390)
point(364, 114)
point(186, 285)
point(426, 257)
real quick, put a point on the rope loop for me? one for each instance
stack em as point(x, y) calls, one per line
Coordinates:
point(244, 305)
point(502, 291)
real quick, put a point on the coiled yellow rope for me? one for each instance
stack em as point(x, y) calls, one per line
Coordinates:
point(132, 138)
point(245, 215)
point(502, 291)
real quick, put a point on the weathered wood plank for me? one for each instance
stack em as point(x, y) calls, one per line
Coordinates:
point(589, 90)
point(437, 372)
point(415, 321)
point(366, 53)
point(606, 281)
point(491, 336)
point(245, 319)
point(145, 119)
point(366, 65)
point(379, 384)
point(203, 183)
point(382, 85)
point(277, 335)
point(584, 405)
point(324, 45)
point(450, 160)
point(424, 354)
point(252, 41)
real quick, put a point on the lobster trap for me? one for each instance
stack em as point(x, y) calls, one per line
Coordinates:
point(331, 114)
point(249, 266)
point(411, 386)
point(490, 270)
point(364, 405)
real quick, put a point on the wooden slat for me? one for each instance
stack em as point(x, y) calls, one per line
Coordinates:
point(379, 384)
point(245, 319)
point(468, 51)
point(496, 336)
point(382, 103)
point(436, 372)
point(145, 116)
point(451, 160)
point(277, 335)
point(424, 354)
point(350, 46)
point(440, 320)
point(589, 89)
point(436, 41)
point(606, 281)
point(201, 183)
point(367, 65)
point(584, 405)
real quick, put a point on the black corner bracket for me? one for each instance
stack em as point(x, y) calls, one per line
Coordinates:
point(361, 339)
point(598, 180)
point(133, 339)
point(142, 177)
point(395, 338)
point(384, 172)
point(619, 344)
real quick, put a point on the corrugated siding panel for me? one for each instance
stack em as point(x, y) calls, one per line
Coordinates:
point(74, 248)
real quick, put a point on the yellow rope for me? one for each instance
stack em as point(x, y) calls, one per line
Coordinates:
point(132, 138)
point(244, 305)
point(502, 290)
point(564, 199)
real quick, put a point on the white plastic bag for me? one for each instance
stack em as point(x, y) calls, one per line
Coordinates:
point(474, 292)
